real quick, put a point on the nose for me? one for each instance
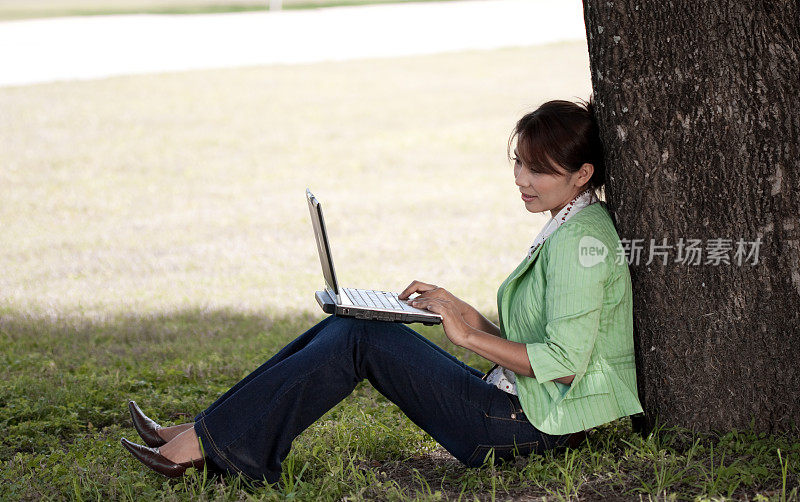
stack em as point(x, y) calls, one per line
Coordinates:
point(519, 179)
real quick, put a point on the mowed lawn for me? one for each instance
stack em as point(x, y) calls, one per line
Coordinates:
point(156, 245)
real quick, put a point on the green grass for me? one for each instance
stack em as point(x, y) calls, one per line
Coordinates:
point(156, 246)
point(21, 9)
point(67, 382)
point(174, 364)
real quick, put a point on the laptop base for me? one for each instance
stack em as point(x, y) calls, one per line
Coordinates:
point(329, 307)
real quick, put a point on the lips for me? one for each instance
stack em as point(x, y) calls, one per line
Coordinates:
point(528, 198)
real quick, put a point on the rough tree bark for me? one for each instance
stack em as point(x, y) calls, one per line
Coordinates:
point(699, 109)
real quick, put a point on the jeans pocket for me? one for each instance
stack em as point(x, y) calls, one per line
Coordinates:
point(507, 407)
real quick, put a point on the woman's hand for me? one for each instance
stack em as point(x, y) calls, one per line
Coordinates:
point(429, 291)
point(479, 335)
point(440, 301)
point(511, 355)
point(469, 314)
point(455, 327)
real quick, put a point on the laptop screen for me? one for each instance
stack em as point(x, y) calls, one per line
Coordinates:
point(323, 247)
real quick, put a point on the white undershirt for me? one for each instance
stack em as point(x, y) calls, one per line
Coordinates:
point(504, 378)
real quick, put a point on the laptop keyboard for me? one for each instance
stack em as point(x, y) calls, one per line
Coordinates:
point(376, 299)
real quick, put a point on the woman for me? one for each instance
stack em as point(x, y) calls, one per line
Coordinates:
point(563, 348)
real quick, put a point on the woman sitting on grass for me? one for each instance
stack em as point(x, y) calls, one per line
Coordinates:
point(563, 348)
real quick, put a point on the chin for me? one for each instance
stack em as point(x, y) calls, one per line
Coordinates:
point(533, 208)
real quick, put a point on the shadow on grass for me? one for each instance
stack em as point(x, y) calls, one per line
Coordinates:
point(67, 380)
point(71, 375)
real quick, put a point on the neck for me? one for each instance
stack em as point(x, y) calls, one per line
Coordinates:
point(555, 211)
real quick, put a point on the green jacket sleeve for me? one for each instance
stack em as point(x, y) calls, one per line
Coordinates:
point(574, 289)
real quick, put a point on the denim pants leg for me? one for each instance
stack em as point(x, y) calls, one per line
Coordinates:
point(249, 430)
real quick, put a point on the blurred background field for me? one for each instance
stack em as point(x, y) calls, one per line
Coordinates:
point(27, 9)
point(164, 192)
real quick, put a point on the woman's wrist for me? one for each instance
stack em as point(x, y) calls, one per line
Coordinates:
point(471, 315)
point(469, 337)
point(511, 355)
point(466, 309)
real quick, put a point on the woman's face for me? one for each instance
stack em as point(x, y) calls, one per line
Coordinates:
point(549, 192)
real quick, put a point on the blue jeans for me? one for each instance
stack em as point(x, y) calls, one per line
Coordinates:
point(249, 430)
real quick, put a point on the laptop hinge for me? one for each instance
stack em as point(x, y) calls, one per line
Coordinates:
point(334, 296)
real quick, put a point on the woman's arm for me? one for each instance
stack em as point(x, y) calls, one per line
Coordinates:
point(511, 355)
point(470, 314)
point(476, 320)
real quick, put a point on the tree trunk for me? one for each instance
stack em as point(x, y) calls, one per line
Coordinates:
point(699, 112)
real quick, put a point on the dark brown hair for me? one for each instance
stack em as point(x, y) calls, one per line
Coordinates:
point(562, 132)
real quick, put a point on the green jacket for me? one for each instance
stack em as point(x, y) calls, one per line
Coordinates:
point(571, 304)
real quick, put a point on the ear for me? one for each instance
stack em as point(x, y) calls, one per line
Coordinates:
point(584, 174)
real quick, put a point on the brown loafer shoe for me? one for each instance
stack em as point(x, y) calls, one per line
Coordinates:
point(146, 427)
point(576, 439)
point(158, 462)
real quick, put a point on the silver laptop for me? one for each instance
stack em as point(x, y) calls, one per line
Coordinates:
point(358, 303)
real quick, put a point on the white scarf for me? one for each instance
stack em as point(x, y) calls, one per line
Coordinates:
point(580, 201)
point(504, 378)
